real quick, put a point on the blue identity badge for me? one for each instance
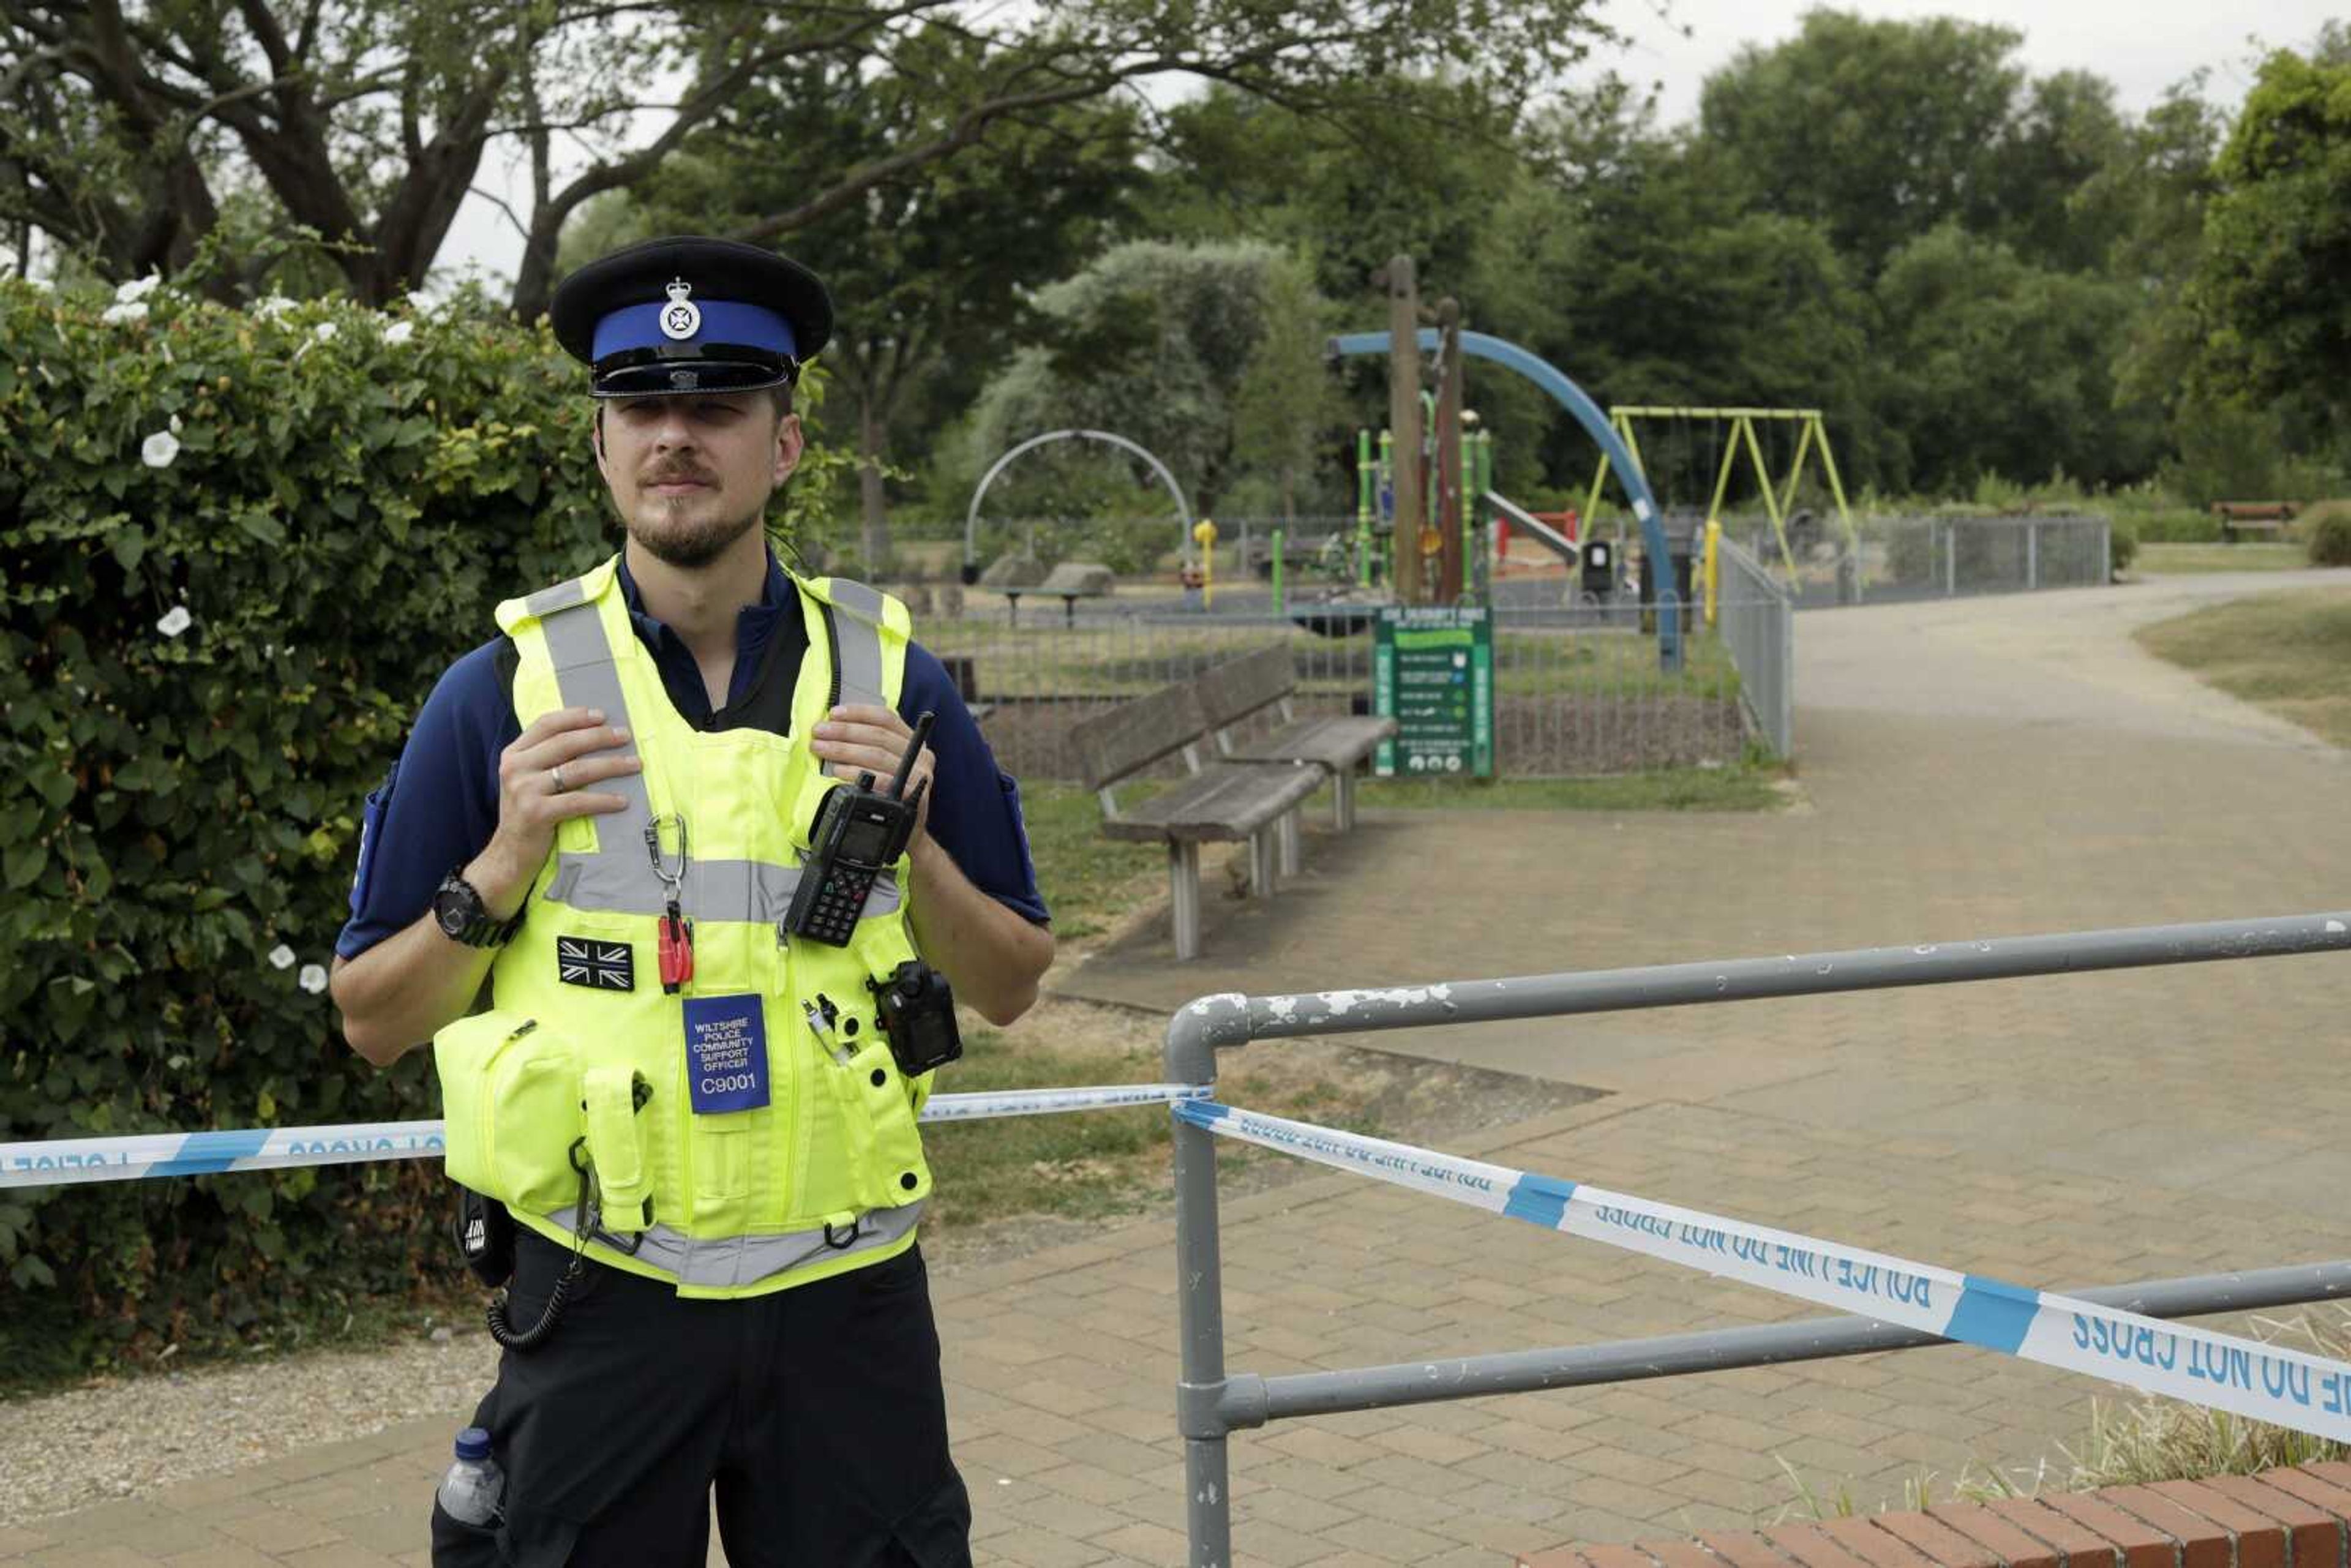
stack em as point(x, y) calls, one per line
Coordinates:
point(726, 1054)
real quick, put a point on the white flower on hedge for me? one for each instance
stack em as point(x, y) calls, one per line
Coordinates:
point(158, 450)
point(175, 621)
point(116, 315)
point(175, 425)
point(275, 305)
point(400, 332)
point(314, 977)
point(324, 332)
point(138, 288)
point(281, 956)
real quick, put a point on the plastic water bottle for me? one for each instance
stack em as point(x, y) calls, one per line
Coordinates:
point(471, 1492)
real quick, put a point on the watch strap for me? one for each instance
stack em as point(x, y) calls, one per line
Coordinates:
point(481, 929)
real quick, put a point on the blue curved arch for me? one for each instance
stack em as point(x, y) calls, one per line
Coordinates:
point(1572, 398)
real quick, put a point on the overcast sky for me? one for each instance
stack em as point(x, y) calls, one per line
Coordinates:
point(2141, 45)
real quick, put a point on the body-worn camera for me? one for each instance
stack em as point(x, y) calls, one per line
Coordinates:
point(485, 1234)
point(858, 832)
point(918, 1015)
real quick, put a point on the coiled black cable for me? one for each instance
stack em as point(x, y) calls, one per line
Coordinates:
point(536, 1336)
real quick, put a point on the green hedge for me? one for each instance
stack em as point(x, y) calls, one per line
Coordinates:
point(332, 500)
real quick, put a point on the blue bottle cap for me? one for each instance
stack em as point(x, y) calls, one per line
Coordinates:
point(474, 1443)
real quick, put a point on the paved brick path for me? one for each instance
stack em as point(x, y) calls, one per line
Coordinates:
point(1974, 770)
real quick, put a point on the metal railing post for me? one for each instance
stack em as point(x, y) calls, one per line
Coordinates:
point(1193, 1036)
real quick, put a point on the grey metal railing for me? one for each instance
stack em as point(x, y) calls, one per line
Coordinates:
point(1756, 620)
point(1213, 1402)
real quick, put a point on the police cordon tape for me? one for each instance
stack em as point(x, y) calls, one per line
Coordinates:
point(2223, 1372)
point(56, 1162)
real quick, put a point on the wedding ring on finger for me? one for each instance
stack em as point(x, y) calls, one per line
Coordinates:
point(555, 778)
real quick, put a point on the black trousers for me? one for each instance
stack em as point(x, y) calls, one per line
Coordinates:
point(816, 1413)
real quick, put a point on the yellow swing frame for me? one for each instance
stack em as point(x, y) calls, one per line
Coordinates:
point(1777, 501)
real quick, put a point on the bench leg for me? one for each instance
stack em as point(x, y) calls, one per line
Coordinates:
point(1262, 864)
point(1342, 798)
point(1290, 842)
point(1183, 894)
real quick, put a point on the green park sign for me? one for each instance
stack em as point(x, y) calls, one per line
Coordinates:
point(1433, 673)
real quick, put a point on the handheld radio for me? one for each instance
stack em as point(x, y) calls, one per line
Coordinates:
point(858, 832)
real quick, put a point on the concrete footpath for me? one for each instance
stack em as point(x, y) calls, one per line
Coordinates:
point(1982, 769)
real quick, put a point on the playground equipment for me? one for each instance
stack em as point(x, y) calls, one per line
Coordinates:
point(979, 492)
point(1586, 412)
point(1778, 501)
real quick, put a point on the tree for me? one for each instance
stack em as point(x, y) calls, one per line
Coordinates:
point(1420, 180)
point(2277, 236)
point(1151, 342)
point(368, 123)
point(1879, 131)
point(1648, 279)
point(2007, 367)
point(932, 269)
point(1285, 404)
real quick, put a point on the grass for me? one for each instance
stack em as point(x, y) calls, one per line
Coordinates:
point(2132, 1445)
point(1092, 1165)
point(1083, 1166)
point(1089, 882)
point(2288, 653)
point(2168, 561)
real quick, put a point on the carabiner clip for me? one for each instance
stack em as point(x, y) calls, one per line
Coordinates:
point(673, 881)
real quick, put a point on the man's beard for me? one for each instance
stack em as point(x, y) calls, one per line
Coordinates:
point(692, 546)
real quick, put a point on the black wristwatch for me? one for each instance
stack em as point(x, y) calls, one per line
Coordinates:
point(458, 910)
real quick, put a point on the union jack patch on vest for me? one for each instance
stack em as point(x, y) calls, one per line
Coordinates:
point(596, 963)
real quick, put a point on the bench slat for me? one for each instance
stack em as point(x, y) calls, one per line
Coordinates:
point(1134, 734)
point(1333, 743)
point(1238, 687)
point(1221, 802)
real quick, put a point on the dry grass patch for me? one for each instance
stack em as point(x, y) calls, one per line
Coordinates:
point(2289, 653)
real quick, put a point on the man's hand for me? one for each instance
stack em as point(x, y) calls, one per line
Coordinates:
point(541, 780)
point(855, 739)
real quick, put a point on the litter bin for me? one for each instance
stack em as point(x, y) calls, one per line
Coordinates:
point(1599, 569)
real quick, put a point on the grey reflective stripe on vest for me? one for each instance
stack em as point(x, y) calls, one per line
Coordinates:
point(714, 889)
point(858, 634)
point(732, 1261)
point(619, 876)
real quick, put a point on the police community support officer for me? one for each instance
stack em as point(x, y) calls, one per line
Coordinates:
point(732, 1157)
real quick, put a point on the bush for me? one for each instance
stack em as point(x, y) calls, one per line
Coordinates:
point(2122, 546)
point(2327, 528)
point(239, 548)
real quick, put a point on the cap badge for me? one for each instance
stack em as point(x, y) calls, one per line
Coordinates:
point(681, 318)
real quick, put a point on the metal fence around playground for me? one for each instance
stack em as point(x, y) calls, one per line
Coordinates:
point(1902, 558)
point(1577, 688)
point(2120, 1334)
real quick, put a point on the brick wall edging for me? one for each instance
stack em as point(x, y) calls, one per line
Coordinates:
point(2296, 1518)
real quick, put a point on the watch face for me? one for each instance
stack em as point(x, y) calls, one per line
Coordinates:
point(449, 911)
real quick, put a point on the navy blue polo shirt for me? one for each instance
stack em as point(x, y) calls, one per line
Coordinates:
point(438, 807)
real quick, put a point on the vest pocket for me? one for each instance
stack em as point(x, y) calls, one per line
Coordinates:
point(879, 1116)
point(510, 1095)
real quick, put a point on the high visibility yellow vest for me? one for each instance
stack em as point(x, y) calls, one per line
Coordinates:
point(585, 1066)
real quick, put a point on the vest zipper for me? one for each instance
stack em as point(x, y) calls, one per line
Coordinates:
point(832, 649)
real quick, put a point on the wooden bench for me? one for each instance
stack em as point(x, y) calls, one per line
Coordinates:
point(1218, 801)
point(2252, 517)
point(1239, 688)
point(1071, 580)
